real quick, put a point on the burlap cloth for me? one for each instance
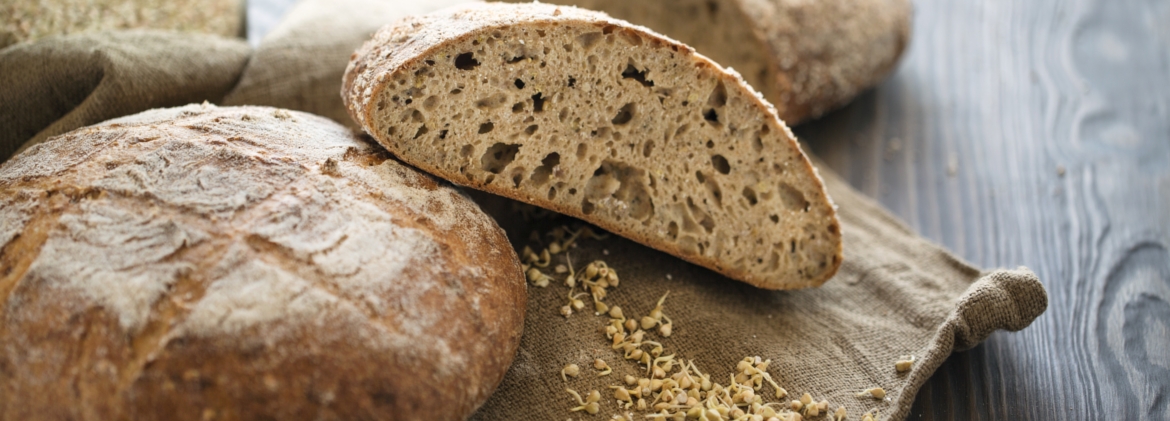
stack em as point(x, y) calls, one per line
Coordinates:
point(896, 293)
point(58, 84)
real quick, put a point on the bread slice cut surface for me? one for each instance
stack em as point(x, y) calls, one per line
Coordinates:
point(590, 116)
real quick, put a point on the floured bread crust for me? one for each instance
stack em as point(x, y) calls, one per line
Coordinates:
point(596, 118)
point(244, 263)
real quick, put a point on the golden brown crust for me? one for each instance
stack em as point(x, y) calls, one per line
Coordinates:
point(245, 263)
point(404, 46)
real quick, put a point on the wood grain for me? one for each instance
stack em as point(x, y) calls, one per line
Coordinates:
point(1034, 133)
point(1031, 133)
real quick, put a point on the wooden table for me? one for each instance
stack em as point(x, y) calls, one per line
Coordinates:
point(1036, 133)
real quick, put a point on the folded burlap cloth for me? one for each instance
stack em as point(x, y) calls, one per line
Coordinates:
point(58, 84)
point(896, 293)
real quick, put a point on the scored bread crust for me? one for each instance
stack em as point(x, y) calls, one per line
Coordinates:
point(387, 83)
point(245, 263)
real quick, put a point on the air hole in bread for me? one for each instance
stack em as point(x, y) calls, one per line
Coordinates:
point(572, 81)
point(713, 189)
point(486, 127)
point(548, 165)
point(750, 195)
point(718, 97)
point(421, 131)
point(582, 150)
point(588, 40)
point(531, 129)
point(632, 72)
point(491, 102)
point(618, 187)
point(431, 102)
point(697, 212)
point(517, 176)
point(466, 61)
point(538, 102)
point(720, 164)
point(518, 107)
point(519, 84)
point(497, 157)
point(672, 230)
point(624, 115)
point(648, 148)
point(632, 38)
point(712, 116)
point(793, 198)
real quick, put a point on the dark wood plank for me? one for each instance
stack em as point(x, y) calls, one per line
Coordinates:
point(1034, 133)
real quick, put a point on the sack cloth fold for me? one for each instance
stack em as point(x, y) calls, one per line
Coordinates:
point(896, 293)
point(299, 65)
point(61, 83)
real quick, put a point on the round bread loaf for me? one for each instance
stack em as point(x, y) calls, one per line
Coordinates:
point(205, 263)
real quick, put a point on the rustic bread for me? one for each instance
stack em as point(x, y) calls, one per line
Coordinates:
point(807, 57)
point(206, 263)
point(31, 20)
point(590, 116)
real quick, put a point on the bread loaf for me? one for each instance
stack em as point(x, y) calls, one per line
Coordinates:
point(590, 116)
point(206, 263)
point(807, 57)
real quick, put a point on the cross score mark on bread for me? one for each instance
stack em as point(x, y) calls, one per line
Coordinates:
point(597, 118)
point(252, 262)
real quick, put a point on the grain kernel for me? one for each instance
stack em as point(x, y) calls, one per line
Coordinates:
point(570, 370)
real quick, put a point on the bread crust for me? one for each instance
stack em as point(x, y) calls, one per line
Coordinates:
point(400, 46)
point(245, 263)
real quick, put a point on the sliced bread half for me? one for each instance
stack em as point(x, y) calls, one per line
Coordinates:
point(594, 117)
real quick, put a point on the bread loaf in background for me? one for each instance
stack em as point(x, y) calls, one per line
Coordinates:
point(252, 263)
point(807, 57)
point(590, 116)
